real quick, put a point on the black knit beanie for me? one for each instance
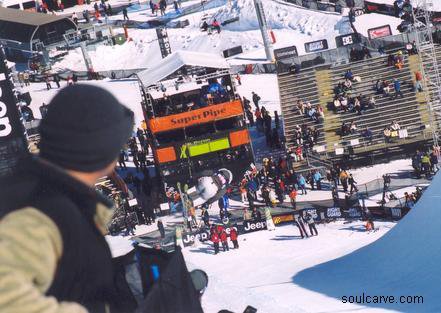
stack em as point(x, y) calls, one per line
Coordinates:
point(84, 129)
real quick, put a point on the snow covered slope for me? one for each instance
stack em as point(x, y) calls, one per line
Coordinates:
point(404, 262)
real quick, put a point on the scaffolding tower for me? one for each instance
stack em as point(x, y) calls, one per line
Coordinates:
point(423, 28)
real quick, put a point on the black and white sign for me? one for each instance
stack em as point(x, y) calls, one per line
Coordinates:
point(13, 143)
point(396, 213)
point(315, 46)
point(164, 43)
point(232, 51)
point(354, 213)
point(285, 53)
point(333, 213)
point(346, 40)
point(253, 225)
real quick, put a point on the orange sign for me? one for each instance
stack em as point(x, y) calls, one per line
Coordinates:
point(198, 116)
point(240, 137)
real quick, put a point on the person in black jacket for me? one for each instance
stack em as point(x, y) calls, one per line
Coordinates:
point(161, 229)
point(55, 208)
point(256, 99)
point(352, 183)
point(256, 215)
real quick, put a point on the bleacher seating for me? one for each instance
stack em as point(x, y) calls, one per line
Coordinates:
point(410, 111)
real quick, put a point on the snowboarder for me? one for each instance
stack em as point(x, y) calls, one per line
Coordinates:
point(233, 237)
point(298, 221)
point(317, 177)
point(309, 219)
point(215, 239)
point(269, 220)
point(216, 26)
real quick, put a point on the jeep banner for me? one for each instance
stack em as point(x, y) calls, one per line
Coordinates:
point(13, 142)
point(203, 235)
point(253, 225)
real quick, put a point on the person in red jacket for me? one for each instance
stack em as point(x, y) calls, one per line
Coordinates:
point(224, 239)
point(215, 239)
point(233, 237)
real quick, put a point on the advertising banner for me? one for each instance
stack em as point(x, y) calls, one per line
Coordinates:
point(164, 43)
point(253, 225)
point(13, 142)
point(379, 32)
point(347, 40)
point(315, 46)
point(285, 53)
point(198, 116)
point(204, 235)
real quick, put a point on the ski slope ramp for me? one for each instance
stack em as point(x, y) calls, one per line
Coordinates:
point(404, 262)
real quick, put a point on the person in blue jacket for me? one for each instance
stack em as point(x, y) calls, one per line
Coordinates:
point(317, 177)
point(302, 184)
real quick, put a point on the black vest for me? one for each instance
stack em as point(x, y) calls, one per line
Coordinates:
point(85, 273)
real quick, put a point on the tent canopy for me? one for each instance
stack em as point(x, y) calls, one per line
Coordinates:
point(176, 61)
point(28, 18)
point(23, 26)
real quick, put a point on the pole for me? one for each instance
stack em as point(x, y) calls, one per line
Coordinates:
point(264, 29)
point(86, 57)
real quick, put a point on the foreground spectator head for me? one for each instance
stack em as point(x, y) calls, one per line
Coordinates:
point(84, 129)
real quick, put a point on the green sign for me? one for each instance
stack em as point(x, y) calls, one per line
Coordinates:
point(204, 147)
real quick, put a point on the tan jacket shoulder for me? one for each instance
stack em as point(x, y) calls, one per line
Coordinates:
point(30, 247)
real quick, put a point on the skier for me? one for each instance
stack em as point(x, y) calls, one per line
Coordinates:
point(311, 224)
point(223, 238)
point(161, 229)
point(298, 221)
point(233, 237)
point(269, 220)
point(214, 237)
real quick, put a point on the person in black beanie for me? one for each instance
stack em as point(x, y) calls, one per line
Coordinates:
point(54, 257)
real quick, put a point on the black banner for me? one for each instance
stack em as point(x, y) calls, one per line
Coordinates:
point(164, 43)
point(346, 40)
point(13, 143)
point(250, 226)
point(232, 51)
point(315, 46)
point(285, 53)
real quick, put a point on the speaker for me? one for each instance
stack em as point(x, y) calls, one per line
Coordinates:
point(232, 51)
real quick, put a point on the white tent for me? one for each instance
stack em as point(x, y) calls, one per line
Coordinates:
point(177, 60)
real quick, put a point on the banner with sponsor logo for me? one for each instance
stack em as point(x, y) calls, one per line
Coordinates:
point(285, 53)
point(203, 234)
point(379, 32)
point(198, 116)
point(250, 226)
point(164, 42)
point(315, 46)
point(347, 40)
point(13, 142)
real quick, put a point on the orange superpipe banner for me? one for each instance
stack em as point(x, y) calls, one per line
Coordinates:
point(194, 117)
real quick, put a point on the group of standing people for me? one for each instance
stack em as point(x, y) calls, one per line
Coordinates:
point(218, 235)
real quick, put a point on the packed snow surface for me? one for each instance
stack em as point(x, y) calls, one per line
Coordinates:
point(290, 24)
